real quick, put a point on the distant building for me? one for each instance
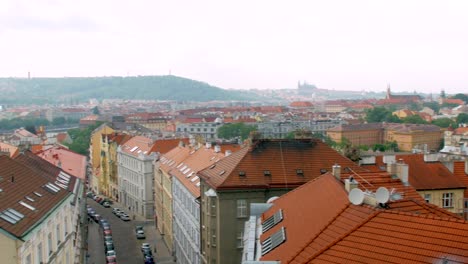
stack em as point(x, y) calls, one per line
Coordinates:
point(281, 129)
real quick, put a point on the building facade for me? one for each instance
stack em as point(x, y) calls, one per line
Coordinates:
point(135, 176)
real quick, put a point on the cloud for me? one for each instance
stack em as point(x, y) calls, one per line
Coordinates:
point(30, 23)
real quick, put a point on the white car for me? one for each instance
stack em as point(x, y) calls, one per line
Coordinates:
point(125, 217)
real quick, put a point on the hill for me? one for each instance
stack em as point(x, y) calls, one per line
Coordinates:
point(57, 90)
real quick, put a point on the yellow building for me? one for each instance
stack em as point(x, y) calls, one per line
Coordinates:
point(95, 155)
point(409, 136)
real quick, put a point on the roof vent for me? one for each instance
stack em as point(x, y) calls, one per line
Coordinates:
point(221, 172)
point(212, 166)
point(242, 173)
point(267, 173)
point(299, 172)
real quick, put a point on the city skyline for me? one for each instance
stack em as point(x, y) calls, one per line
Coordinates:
point(337, 45)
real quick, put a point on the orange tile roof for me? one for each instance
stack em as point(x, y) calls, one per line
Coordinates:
point(137, 145)
point(164, 145)
point(281, 157)
point(300, 104)
point(427, 175)
point(461, 131)
point(70, 162)
point(323, 226)
point(4, 147)
point(459, 171)
point(197, 160)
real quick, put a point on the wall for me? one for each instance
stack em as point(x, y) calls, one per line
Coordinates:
point(8, 251)
point(436, 199)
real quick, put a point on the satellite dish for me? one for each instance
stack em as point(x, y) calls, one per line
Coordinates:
point(382, 195)
point(356, 196)
point(272, 199)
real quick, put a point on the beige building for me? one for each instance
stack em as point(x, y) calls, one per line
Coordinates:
point(258, 172)
point(163, 191)
point(39, 223)
point(95, 156)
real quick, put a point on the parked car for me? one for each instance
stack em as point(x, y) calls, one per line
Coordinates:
point(109, 246)
point(96, 218)
point(106, 204)
point(125, 217)
point(147, 252)
point(145, 245)
point(108, 239)
point(107, 232)
point(138, 227)
point(149, 260)
point(140, 234)
point(111, 256)
point(115, 210)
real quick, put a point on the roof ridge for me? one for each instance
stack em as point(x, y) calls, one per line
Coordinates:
point(320, 231)
point(367, 219)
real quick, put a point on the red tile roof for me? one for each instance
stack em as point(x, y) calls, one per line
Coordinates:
point(459, 171)
point(322, 226)
point(301, 104)
point(281, 157)
point(70, 162)
point(165, 145)
point(137, 145)
point(426, 175)
point(27, 179)
point(12, 150)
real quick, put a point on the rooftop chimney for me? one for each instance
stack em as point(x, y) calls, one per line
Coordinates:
point(402, 171)
point(336, 171)
point(391, 168)
point(208, 145)
point(389, 159)
point(367, 160)
point(217, 148)
point(228, 153)
point(431, 157)
point(350, 184)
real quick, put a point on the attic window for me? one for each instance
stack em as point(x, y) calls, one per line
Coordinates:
point(267, 173)
point(212, 166)
point(323, 171)
point(273, 241)
point(299, 172)
point(30, 207)
point(221, 172)
point(272, 221)
point(11, 216)
point(242, 173)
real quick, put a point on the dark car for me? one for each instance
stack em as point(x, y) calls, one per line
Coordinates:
point(147, 252)
point(108, 238)
point(96, 218)
point(149, 260)
point(109, 246)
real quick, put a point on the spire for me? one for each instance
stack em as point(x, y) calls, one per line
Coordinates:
point(388, 91)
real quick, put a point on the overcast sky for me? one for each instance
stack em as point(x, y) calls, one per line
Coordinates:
point(341, 45)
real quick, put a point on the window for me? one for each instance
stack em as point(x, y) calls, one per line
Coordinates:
point(427, 197)
point(27, 260)
point(39, 253)
point(241, 208)
point(240, 239)
point(49, 243)
point(447, 200)
point(273, 241)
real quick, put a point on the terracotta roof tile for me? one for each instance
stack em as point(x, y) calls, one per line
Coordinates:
point(26, 181)
point(291, 163)
point(137, 145)
point(164, 145)
point(12, 150)
point(70, 162)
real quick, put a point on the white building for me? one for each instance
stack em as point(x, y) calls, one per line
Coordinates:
point(186, 201)
point(39, 222)
point(135, 175)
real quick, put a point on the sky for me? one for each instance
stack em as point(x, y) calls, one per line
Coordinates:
point(243, 44)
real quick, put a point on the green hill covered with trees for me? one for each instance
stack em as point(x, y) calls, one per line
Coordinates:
point(58, 90)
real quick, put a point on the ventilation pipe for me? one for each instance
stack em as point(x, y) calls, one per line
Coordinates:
point(336, 171)
point(217, 148)
point(350, 184)
point(402, 171)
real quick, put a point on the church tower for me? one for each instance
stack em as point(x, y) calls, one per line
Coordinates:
point(388, 91)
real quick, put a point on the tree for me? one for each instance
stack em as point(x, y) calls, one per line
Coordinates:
point(432, 105)
point(230, 131)
point(461, 96)
point(381, 114)
point(444, 122)
point(414, 119)
point(96, 110)
point(81, 138)
point(31, 129)
point(58, 121)
point(462, 118)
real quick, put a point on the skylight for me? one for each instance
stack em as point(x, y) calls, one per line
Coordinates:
point(212, 166)
point(190, 174)
point(222, 172)
point(267, 173)
point(30, 207)
point(37, 194)
point(194, 179)
point(299, 172)
point(178, 166)
point(11, 216)
point(133, 149)
point(187, 170)
point(61, 185)
point(198, 184)
point(272, 221)
point(273, 241)
point(29, 198)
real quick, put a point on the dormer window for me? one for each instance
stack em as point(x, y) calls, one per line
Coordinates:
point(300, 172)
point(267, 173)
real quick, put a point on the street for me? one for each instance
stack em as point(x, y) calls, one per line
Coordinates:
point(126, 245)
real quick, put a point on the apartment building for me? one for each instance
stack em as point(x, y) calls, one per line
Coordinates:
point(95, 155)
point(281, 129)
point(135, 175)
point(39, 222)
point(264, 169)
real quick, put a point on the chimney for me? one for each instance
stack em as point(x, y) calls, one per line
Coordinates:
point(336, 171)
point(228, 153)
point(217, 148)
point(402, 171)
point(391, 168)
point(367, 160)
point(431, 157)
point(350, 184)
point(466, 166)
point(389, 159)
point(181, 144)
point(208, 145)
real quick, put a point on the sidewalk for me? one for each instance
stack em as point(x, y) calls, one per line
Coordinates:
point(160, 250)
